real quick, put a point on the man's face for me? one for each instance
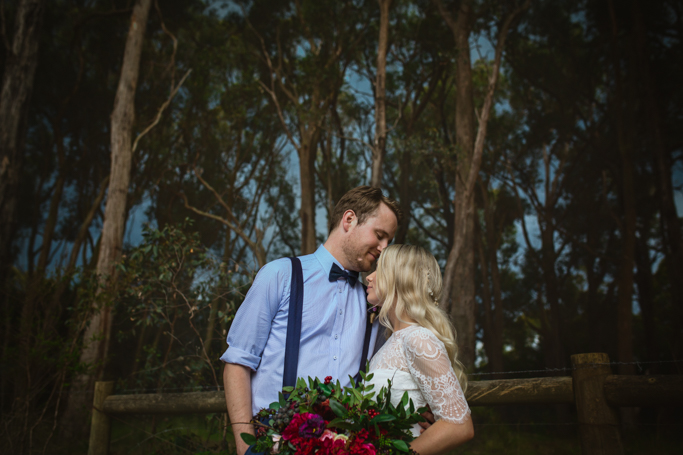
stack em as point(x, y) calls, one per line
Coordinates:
point(365, 242)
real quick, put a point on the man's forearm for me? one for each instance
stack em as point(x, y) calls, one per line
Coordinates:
point(237, 385)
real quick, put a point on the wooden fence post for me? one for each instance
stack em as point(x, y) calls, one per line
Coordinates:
point(598, 422)
point(100, 428)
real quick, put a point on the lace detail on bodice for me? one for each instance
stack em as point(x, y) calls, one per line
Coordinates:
point(417, 351)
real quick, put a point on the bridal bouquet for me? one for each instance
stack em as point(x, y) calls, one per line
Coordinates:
point(321, 417)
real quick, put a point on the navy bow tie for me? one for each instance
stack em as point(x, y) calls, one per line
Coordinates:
point(336, 272)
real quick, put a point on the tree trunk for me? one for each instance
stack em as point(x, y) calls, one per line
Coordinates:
point(492, 241)
point(628, 223)
point(670, 225)
point(553, 344)
point(461, 295)
point(15, 95)
point(307, 154)
point(380, 95)
point(459, 272)
point(97, 334)
point(494, 357)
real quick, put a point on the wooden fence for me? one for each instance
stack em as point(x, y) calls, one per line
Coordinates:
point(596, 393)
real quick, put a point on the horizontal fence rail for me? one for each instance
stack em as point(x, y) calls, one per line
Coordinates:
point(520, 391)
point(166, 403)
point(620, 391)
point(592, 389)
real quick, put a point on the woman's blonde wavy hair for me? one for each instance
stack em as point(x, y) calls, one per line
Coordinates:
point(409, 280)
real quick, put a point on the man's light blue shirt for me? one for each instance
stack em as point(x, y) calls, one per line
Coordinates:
point(332, 328)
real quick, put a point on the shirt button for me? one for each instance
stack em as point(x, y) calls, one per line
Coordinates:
point(335, 357)
point(336, 336)
point(340, 311)
point(340, 290)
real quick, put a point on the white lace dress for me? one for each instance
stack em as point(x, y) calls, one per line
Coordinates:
point(416, 361)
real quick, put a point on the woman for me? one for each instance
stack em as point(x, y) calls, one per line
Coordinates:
point(420, 355)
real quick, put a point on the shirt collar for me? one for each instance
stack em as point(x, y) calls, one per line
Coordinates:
point(326, 259)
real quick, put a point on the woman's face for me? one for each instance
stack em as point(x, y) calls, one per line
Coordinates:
point(372, 291)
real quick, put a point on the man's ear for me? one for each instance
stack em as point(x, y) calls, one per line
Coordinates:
point(348, 220)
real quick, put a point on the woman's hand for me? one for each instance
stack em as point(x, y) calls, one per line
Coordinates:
point(429, 420)
point(442, 437)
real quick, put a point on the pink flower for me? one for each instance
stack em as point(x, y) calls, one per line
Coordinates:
point(327, 434)
point(368, 449)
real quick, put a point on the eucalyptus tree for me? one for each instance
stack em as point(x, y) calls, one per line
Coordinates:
point(380, 140)
point(98, 332)
point(21, 59)
point(305, 49)
point(220, 154)
point(421, 63)
point(470, 140)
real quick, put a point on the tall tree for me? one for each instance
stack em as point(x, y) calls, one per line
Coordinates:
point(380, 142)
point(306, 48)
point(628, 202)
point(670, 224)
point(15, 94)
point(97, 334)
point(459, 273)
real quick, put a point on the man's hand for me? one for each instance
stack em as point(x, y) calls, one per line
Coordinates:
point(430, 420)
point(237, 386)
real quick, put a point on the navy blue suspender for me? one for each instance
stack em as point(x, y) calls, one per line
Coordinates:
point(296, 304)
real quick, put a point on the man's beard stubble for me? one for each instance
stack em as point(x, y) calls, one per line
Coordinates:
point(352, 253)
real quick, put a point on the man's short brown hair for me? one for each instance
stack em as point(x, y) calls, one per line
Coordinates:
point(364, 201)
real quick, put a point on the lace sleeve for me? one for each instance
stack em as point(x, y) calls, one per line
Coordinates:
point(431, 368)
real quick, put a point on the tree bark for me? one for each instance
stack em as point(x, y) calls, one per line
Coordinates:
point(459, 271)
point(628, 223)
point(554, 356)
point(15, 96)
point(379, 146)
point(670, 225)
point(494, 351)
point(97, 334)
point(307, 154)
point(493, 356)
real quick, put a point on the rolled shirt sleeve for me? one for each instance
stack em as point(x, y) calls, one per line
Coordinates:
point(251, 327)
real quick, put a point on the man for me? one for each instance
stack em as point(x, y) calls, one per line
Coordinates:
point(334, 311)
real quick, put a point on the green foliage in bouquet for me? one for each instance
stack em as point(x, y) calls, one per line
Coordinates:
point(325, 418)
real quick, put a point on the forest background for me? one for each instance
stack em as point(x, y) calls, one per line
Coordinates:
point(156, 153)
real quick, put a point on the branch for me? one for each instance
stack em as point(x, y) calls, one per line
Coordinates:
point(255, 247)
point(171, 63)
point(429, 232)
point(162, 108)
point(271, 92)
point(445, 14)
point(218, 197)
point(488, 102)
point(521, 212)
point(454, 255)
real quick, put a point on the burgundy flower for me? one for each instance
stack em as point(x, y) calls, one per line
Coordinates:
point(313, 427)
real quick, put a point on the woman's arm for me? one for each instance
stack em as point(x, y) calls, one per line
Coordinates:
point(431, 369)
point(443, 437)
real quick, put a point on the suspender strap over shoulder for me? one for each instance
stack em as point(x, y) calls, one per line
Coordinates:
point(296, 304)
point(366, 348)
point(366, 345)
